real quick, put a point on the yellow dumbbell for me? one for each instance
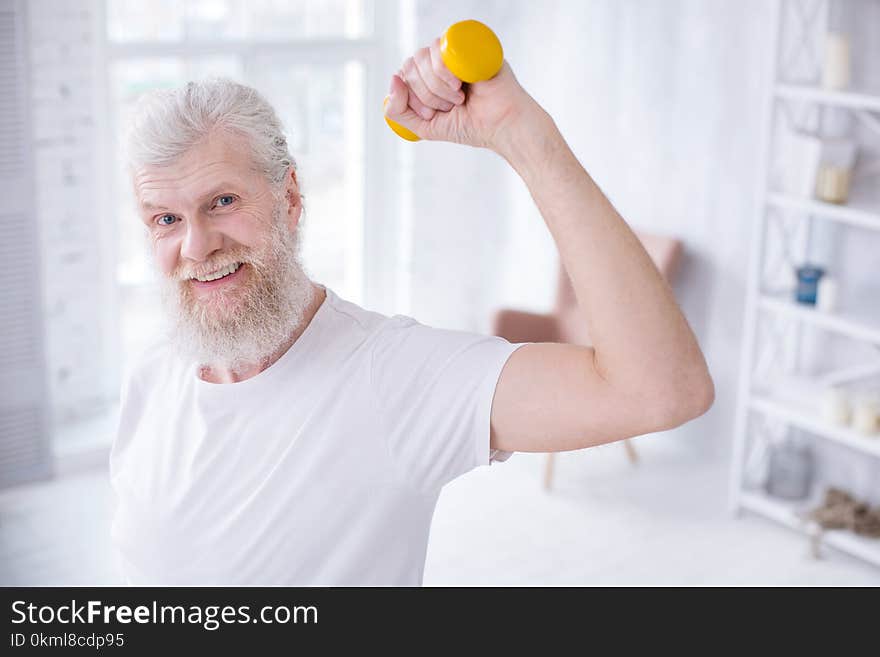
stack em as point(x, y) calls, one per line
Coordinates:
point(471, 51)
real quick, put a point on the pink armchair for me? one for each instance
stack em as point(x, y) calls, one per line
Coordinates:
point(564, 323)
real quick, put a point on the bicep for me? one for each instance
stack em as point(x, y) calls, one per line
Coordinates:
point(551, 398)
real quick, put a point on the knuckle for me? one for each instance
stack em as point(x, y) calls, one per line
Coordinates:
point(432, 85)
point(437, 99)
point(444, 74)
point(435, 56)
point(424, 111)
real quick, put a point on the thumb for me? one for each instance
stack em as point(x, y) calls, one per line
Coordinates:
point(398, 110)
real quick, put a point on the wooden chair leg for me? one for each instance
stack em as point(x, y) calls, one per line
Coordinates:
point(548, 471)
point(631, 451)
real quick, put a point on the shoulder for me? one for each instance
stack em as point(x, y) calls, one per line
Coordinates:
point(404, 342)
point(353, 317)
point(372, 332)
point(352, 328)
point(403, 329)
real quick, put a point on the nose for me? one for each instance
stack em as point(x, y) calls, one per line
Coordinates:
point(200, 240)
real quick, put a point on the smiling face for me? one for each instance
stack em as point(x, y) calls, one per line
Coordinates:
point(226, 247)
point(204, 209)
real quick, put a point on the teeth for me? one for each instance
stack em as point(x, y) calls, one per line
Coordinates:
point(220, 273)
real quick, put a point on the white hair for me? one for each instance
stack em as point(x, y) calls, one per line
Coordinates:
point(169, 122)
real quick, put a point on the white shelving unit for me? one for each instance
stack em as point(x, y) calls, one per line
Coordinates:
point(758, 403)
point(787, 514)
point(865, 326)
point(804, 417)
point(811, 94)
point(852, 216)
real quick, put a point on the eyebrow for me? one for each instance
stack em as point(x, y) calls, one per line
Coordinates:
point(146, 205)
point(214, 191)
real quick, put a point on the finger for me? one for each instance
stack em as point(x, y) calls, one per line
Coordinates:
point(414, 79)
point(435, 83)
point(398, 97)
point(399, 110)
point(423, 111)
point(440, 70)
point(420, 108)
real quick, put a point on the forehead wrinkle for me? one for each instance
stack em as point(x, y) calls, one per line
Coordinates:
point(189, 186)
point(222, 155)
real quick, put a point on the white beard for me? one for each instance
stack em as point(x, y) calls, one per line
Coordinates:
point(246, 325)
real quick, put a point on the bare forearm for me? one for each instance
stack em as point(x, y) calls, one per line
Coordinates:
point(641, 340)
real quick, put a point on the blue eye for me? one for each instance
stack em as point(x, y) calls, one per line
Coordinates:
point(162, 219)
point(225, 200)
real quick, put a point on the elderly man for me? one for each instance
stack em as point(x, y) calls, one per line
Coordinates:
point(279, 434)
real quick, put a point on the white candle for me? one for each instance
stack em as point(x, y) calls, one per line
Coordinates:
point(835, 71)
point(826, 294)
point(866, 416)
point(832, 184)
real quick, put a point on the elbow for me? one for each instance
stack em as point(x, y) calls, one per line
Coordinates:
point(703, 396)
point(685, 398)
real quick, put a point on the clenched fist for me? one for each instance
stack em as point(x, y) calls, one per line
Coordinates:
point(426, 98)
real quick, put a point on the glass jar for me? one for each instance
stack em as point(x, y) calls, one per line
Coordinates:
point(791, 470)
point(807, 283)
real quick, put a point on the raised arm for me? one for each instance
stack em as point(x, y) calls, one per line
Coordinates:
point(645, 371)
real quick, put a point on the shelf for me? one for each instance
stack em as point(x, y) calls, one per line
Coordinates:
point(786, 513)
point(841, 213)
point(802, 416)
point(814, 94)
point(859, 327)
point(855, 318)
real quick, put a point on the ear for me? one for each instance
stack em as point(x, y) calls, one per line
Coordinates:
point(293, 198)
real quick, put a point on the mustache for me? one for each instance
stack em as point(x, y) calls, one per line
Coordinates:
point(192, 273)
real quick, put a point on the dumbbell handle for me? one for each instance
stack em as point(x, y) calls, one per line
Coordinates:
point(472, 53)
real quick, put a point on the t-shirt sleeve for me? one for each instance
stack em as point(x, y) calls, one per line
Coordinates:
point(434, 390)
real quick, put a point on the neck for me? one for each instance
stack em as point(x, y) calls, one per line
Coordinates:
point(219, 374)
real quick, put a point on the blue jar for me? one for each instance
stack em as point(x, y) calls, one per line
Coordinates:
point(808, 283)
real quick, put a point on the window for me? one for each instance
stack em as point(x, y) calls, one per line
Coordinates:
point(314, 61)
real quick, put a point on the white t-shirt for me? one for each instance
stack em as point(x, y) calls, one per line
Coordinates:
point(322, 470)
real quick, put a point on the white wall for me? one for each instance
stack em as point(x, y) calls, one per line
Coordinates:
point(663, 105)
point(459, 218)
point(66, 93)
